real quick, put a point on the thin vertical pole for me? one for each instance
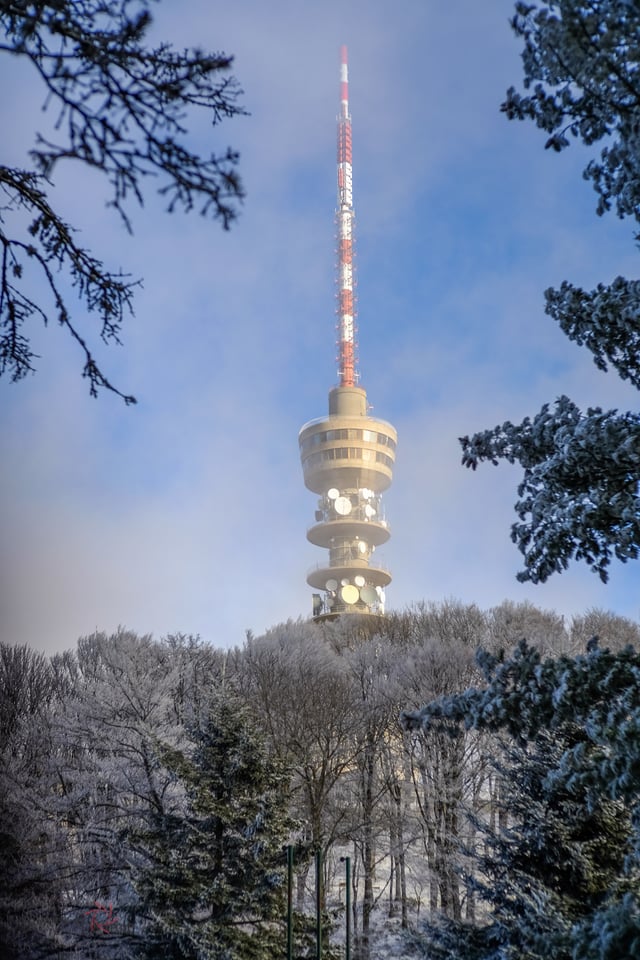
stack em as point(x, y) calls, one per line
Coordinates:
point(290, 902)
point(318, 905)
point(347, 867)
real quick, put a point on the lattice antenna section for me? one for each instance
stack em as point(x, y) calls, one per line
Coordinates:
point(346, 310)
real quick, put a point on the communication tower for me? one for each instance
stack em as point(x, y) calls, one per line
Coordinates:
point(348, 456)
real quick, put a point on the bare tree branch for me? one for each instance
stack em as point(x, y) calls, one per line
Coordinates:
point(122, 109)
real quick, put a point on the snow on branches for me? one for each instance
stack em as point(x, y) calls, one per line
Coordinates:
point(578, 499)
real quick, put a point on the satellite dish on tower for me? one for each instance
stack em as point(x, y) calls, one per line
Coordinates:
point(362, 547)
point(343, 506)
point(333, 494)
point(368, 594)
point(331, 585)
point(359, 581)
point(350, 594)
point(369, 511)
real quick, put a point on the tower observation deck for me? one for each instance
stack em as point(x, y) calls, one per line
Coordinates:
point(348, 456)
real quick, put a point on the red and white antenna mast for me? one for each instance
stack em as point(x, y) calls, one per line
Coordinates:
point(347, 360)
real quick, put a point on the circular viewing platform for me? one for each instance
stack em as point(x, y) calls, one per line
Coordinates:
point(347, 449)
point(346, 455)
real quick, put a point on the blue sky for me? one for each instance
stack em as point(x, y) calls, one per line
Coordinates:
point(188, 512)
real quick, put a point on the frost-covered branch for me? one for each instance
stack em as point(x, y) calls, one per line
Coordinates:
point(578, 498)
point(122, 109)
point(606, 320)
point(599, 691)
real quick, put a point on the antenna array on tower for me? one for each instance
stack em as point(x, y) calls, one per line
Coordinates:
point(347, 360)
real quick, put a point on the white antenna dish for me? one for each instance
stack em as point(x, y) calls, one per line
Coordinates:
point(333, 494)
point(344, 582)
point(366, 494)
point(331, 585)
point(382, 597)
point(343, 506)
point(359, 581)
point(369, 511)
point(362, 547)
point(369, 595)
point(350, 594)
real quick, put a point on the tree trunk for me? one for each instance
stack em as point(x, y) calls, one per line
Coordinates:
point(301, 885)
point(368, 859)
point(394, 878)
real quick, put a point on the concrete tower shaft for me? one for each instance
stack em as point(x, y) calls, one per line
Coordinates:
point(348, 456)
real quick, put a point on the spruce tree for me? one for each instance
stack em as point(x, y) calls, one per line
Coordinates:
point(212, 883)
point(553, 859)
point(578, 497)
point(563, 880)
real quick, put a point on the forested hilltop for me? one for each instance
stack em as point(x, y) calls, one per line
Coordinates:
point(149, 788)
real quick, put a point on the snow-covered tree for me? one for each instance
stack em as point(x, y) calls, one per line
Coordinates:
point(547, 866)
point(445, 771)
point(301, 690)
point(109, 772)
point(140, 813)
point(103, 776)
point(578, 498)
point(509, 622)
point(212, 877)
point(365, 784)
point(569, 863)
point(31, 890)
point(612, 630)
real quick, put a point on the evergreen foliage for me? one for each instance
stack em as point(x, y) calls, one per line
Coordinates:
point(212, 881)
point(562, 878)
point(551, 866)
point(578, 499)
